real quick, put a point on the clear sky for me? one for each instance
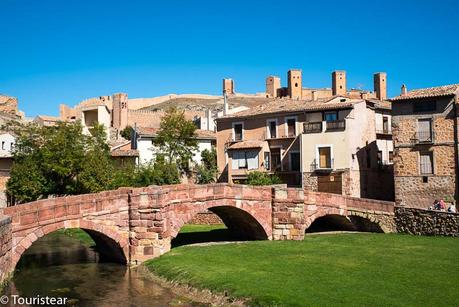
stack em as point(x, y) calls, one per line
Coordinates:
point(55, 51)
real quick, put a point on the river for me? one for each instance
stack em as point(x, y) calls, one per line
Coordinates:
point(61, 266)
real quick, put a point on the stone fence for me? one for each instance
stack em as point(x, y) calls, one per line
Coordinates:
point(5, 247)
point(426, 222)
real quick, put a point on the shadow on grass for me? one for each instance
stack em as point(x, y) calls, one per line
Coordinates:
point(216, 235)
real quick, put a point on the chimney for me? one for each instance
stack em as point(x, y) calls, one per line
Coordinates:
point(208, 118)
point(380, 85)
point(339, 82)
point(228, 86)
point(314, 95)
point(404, 90)
point(225, 103)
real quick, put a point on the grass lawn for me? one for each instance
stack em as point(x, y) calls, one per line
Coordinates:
point(78, 234)
point(339, 269)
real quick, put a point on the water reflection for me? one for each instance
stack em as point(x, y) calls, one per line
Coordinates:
point(60, 266)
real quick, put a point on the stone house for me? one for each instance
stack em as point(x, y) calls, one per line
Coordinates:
point(337, 144)
point(425, 128)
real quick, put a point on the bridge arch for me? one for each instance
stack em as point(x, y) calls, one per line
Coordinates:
point(247, 219)
point(337, 221)
point(110, 243)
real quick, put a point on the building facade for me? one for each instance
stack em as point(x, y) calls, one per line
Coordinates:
point(425, 127)
point(330, 145)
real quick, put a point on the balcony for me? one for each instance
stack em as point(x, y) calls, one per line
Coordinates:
point(384, 131)
point(423, 137)
point(336, 125)
point(313, 127)
point(316, 167)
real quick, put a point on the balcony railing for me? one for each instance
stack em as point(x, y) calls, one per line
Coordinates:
point(317, 167)
point(336, 125)
point(384, 131)
point(313, 127)
point(423, 137)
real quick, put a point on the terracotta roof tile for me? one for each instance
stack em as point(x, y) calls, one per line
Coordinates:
point(438, 91)
point(247, 144)
point(124, 153)
point(291, 105)
point(203, 134)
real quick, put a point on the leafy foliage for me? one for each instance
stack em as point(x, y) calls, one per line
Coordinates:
point(207, 171)
point(260, 178)
point(57, 161)
point(176, 138)
point(127, 132)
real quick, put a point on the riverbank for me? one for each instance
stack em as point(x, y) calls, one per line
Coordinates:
point(338, 269)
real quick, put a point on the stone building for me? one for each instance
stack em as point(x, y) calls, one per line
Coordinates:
point(295, 89)
point(337, 144)
point(425, 128)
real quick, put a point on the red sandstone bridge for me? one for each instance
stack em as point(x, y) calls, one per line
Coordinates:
point(135, 224)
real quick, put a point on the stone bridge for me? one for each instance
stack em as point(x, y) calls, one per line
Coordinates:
point(131, 225)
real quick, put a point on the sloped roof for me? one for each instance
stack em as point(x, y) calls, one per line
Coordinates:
point(247, 144)
point(292, 105)
point(438, 91)
point(124, 153)
point(152, 132)
point(381, 104)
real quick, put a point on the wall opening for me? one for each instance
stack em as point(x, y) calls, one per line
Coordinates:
point(71, 246)
point(331, 222)
point(234, 225)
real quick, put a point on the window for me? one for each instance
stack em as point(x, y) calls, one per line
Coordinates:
point(330, 116)
point(291, 126)
point(294, 161)
point(3, 145)
point(325, 160)
point(245, 159)
point(385, 124)
point(380, 160)
point(391, 156)
point(425, 106)
point(424, 133)
point(272, 129)
point(426, 163)
point(238, 132)
point(276, 162)
point(267, 162)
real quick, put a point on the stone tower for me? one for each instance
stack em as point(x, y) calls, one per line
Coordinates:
point(295, 83)
point(380, 85)
point(120, 111)
point(339, 82)
point(272, 86)
point(228, 86)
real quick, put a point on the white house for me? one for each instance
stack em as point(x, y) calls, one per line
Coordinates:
point(144, 141)
point(7, 142)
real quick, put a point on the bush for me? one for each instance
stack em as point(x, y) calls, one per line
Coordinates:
point(260, 178)
point(207, 171)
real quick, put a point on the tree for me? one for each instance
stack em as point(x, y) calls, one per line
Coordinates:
point(127, 132)
point(176, 138)
point(261, 178)
point(207, 171)
point(57, 160)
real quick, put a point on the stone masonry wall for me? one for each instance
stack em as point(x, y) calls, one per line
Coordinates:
point(288, 214)
point(426, 222)
point(206, 218)
point(5, 248)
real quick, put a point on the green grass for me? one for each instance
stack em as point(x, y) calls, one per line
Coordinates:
point(78, 234)
point(340, 269)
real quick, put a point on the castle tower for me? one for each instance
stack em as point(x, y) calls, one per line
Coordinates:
point(339, 82)
point(120, 111)
point(272, 86)
point(380, 85)
point(295, 86)
point(228, 86)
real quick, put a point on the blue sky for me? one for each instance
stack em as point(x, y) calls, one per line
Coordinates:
point(54, 51)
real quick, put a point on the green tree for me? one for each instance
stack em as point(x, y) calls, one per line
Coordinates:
point(207, 171)
point(261, 178)
point(127, 132)
point(176, 138)
point(61, 160)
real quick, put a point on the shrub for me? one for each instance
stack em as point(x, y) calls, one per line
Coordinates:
point(261, 178)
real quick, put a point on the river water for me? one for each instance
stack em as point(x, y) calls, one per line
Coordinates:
point(61, 266)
